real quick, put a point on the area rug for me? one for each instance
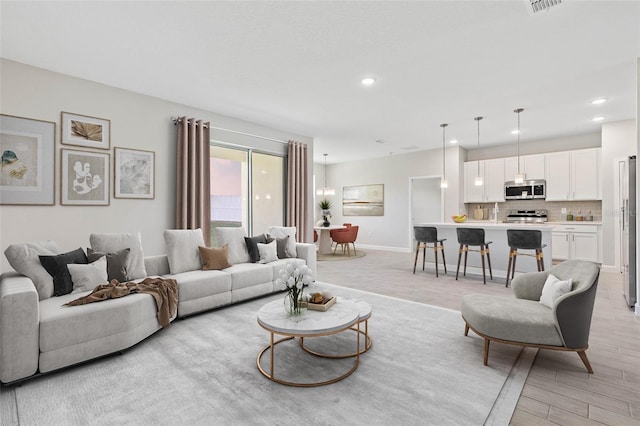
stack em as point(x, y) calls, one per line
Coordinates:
point(341, 256)
point(202, 370)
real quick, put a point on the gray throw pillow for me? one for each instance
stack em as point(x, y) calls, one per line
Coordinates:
point(116, 263)
point(56, 266)
point(282, 245)
point(24, 259)
point(109, 243)
point(283, 231)
point(252, 246)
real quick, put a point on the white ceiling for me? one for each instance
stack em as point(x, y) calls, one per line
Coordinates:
point(296, 66)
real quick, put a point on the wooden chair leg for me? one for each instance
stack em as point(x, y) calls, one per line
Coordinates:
point(354, 249)
point(486, 249)
point(466, 329)
point(435, 256)
point(506, 284)
point(415, 262)
point(444, 263)
point(466, 254)
point(486, 351)
point(513, 267)
point(459, 258)
point(585, 361)
point(484, 275)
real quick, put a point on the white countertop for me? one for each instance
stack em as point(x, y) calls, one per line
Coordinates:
point(489, 224)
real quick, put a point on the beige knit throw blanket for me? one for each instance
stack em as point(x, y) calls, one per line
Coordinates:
point(164, 291)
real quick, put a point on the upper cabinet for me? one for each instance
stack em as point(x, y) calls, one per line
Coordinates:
point(531, 166)
point(492, 173)
point(574, 175)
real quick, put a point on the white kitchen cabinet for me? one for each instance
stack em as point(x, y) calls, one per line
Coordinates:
point(531, 166)
point(575, 242)
point(492, 189)
point(574, 175)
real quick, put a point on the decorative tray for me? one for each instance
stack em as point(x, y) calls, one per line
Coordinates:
point(322, 307)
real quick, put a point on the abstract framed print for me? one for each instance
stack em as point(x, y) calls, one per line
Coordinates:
point(134, 172)
point(85, 178)
point(27, 161)
point(86, 131)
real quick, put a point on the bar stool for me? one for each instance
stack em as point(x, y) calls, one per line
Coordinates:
point(425, 235)
point(523, 239)
point(473, 237)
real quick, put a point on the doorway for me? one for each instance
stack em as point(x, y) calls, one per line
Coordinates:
point(426, 204)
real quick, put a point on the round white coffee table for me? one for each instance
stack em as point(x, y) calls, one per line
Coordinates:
point(344, 315)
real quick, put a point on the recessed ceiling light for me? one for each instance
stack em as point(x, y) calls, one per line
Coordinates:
point(598, 118)
point(453, 141)
point(598, 101)
point(515, 132)
point(368, 81)
point(380, 141)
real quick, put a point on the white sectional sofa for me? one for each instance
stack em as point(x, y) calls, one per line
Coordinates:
point(38, 334)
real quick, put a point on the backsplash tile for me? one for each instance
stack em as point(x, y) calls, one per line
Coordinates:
point(554, 208)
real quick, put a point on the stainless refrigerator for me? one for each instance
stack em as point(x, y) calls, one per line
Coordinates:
point(629, 222)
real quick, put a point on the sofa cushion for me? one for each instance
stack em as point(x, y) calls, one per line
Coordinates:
point(87, 277)
point(553, 289)
point(512, 319)
point(24, 259)
point(252, 246)
point(182, 249)
point(62, 326)
point(249, 274)
point(196, 284)
point(214, 258)
point(116, 263)
point(234, 238)
point(268, 252)
point(56, 266)
point(284, 231)
point(108, 243)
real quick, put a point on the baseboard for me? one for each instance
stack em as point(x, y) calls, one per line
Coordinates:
point(385, 248)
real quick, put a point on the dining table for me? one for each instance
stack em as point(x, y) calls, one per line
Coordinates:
point(324, 237)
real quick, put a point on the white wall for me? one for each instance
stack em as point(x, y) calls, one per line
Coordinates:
point(138, 122)
point(392, 231)
point(618, 142)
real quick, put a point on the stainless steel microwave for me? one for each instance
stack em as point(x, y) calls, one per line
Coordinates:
point(527, 190)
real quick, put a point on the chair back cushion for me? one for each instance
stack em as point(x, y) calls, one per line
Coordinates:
point(470, 236)
point(425, 234)
point(526, 239)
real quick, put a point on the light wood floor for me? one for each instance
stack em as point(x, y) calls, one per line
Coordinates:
point(558, 389)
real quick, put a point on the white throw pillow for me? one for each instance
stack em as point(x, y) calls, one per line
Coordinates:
point(24, 259)
point(268, 252)
point(182, 249)
point(283, 231)
point(553, 289)
point(88, 276)
point(234, 238)
point(108, 243)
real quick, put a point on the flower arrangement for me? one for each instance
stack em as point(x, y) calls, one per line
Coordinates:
point(293, 280)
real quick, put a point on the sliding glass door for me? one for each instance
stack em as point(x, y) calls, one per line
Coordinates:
point(247, 189)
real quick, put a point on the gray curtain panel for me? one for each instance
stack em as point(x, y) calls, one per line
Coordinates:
point(193, 194)
point(297, 193)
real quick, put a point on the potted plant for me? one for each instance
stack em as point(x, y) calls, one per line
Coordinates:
point(325, 205)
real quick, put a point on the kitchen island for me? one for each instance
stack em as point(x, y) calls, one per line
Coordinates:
point(499, 249)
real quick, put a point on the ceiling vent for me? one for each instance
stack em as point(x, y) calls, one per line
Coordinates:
point(536, 6)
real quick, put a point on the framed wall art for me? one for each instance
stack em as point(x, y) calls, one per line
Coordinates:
point(363, 200)
point(27, 161)
point(85, 178)
point(134, 172)
point(85, 131)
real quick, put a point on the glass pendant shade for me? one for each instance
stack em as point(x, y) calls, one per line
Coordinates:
point(478, 181)
point(444, 183)
point(519, 178)
point(325, 190)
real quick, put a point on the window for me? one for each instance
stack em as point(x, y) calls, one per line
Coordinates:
point(247, 189)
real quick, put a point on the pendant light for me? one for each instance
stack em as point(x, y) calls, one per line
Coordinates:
point(443, 182)
point(325, 190)
point(519, 177)
point(478, 180)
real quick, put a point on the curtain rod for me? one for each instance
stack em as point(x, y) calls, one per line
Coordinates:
point(176, 120)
